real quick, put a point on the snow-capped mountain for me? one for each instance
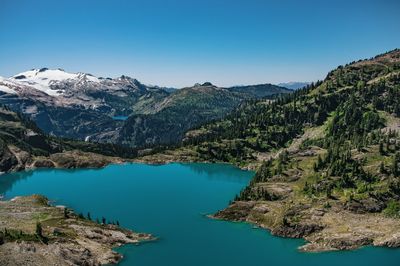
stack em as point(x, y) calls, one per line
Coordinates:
point(75, 104)
point(44, 79)
point(82, 106)
point(62, 88)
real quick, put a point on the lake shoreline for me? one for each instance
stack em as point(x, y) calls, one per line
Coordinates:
point(316, 226)
point(320, 236)
point(64, 238)
point(211, 172)
point(323, 230)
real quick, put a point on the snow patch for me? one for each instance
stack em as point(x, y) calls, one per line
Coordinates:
point(42, 79)
point(5, 86)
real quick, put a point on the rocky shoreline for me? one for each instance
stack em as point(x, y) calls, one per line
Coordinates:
point(20, 160)
point(323, 229)
point(64, 238)
point(337, 227)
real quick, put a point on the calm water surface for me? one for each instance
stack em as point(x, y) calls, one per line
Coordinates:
point(120, 117)
point(170, 201)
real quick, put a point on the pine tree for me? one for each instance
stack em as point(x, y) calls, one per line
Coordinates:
point(66, 215)
point(382, 168)
point(381, 150)
point(39, 231)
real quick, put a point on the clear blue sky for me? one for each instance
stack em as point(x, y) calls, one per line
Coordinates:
point(180, 42)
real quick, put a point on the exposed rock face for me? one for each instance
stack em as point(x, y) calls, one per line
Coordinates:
point(392, 241)
point(277, 190)
point(365, 205)
point(7, 161)
point(70, 159)
point(296, 230)
point(238, 211)
point(67, 240)
point(43, 163)
point(78, 159)
point(341, 242)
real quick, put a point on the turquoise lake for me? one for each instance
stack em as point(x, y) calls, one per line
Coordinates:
point(120, 117)
point(170, 202)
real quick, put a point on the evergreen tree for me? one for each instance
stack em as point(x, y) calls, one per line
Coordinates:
point(39, 231)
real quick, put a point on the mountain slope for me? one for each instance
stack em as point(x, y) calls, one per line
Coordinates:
point(260, 90)
point(81, 106)
point(75, 105)
point(328, 158)
point(23, 145)
point(187, 108)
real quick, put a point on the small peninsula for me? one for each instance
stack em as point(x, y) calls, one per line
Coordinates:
point(36, 233)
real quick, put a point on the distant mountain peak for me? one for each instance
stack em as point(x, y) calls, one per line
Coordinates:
point(294, 85)
point(42, 79)
point(205, 84)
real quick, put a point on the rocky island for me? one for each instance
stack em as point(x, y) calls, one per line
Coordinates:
point(32, 232)
point(36, 233)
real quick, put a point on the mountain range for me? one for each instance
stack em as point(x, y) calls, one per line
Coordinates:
point(82, 106)
point(326, 156)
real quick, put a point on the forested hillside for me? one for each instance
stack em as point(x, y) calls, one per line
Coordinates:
point(187, 108)
point(263, 126)
point(332, 148)
point(23, 145)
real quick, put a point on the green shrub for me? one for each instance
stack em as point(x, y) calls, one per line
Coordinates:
point(392, 209)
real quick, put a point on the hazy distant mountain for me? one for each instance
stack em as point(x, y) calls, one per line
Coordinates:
point(294, 85)
point(261, 90)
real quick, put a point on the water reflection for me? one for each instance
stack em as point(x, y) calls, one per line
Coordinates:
point(8, 180)
point(219, 172)
point(213, 172)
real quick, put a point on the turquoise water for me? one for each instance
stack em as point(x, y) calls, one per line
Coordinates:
point(170, 201)
point(120, 117)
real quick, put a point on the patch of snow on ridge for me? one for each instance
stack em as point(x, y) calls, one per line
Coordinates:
point(5, 86)
point(42, 79)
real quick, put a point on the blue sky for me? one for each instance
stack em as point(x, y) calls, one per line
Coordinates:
point(178, 43)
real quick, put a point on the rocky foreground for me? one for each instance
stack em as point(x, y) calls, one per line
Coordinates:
point(35, 233)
